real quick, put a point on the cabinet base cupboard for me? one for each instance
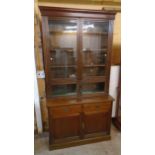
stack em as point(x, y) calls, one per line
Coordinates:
point(77, 52)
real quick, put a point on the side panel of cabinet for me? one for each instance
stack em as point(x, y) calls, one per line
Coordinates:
point(97, 118)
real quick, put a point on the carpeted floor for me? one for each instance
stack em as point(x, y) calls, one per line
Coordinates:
point(111, 147)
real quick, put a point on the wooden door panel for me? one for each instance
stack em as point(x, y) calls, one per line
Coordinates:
point(96, 122)
point(65, 127)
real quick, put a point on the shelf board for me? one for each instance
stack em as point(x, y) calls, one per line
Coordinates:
point(93, 79)
point(63, 94)
point(91, 92)
point(88, 79)
point(94, 65)
point(74, 66)
point(64, 49)
point(87, 49)
point(62, 66)
point(84, 50)
point(86, 33)
point(63, 81)
point(62, 32)
point(95, 33)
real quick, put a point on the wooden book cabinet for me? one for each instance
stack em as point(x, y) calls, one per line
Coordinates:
point(77, 48)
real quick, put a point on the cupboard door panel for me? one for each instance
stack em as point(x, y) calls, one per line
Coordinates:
point(66, 127)
point(96, 122)
point(65, 121)
point(97, 118)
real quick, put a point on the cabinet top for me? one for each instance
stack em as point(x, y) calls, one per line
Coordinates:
point(72, 12)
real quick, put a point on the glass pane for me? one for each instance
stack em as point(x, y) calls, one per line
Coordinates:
point(63, 45)
point(64, 90)
point(93, 57)
point(63, 57)
point(88, 88)
point(63, 72)
point(93, 71)
point(95, 42)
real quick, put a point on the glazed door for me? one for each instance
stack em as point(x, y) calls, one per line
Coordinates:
point(76, 55)
point(94, 54)
point(61, 56)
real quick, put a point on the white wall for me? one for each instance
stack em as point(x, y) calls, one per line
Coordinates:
point(37, 104)
point(114, 76)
